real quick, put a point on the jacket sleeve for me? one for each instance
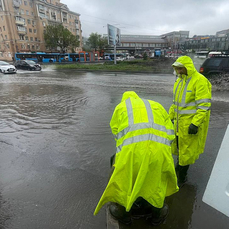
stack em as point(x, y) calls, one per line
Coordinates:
point(168, 125)
point(202, 100)
point(172, 112)
point(114, 122)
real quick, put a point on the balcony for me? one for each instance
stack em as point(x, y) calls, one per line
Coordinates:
point(16, 3)
point(21, 30)
point(41, 8)
point(20, 21)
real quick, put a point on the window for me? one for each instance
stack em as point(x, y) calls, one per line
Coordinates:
point(21, 37)
point(0, 29)
point(2, 18)
point(25, 3)
point(35, 38)
point(22, 11)
point(26, 38)
point(214, 62)
point(42, 15)
point(27, 12)
point(28, 20)
point(4, 28)
point(33, 47)
point(31, 38)
point(30, 30)
point(43, 23)
point(35, 31)
point(6, 37)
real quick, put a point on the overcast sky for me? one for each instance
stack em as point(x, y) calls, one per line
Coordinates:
point(152, 17)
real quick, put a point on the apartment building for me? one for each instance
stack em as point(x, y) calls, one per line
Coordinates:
point(23, 22)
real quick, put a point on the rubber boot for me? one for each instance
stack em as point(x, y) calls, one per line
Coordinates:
point(159, 215)
point(182, 178)
point(141, 209)
point(120, 214)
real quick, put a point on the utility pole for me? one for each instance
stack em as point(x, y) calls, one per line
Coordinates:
point(115, 54)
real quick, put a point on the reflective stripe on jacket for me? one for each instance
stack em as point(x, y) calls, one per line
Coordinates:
point(143, 165)
point(191, 104)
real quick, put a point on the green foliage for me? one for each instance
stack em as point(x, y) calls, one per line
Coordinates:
point(58, 36)
point(152, 66)
point(145, 56)
point(97, 42)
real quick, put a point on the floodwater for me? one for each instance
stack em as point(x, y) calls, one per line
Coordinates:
point(55, 147)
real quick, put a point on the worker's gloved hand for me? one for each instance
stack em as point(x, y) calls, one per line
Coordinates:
point(192, 129)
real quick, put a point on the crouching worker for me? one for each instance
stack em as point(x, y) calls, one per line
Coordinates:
point(143, 170)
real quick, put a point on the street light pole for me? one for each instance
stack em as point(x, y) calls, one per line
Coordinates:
point(115, 54)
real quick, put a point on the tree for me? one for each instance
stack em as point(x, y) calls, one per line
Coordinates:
point(58, 36)
point(145, 56)
point(97, 42)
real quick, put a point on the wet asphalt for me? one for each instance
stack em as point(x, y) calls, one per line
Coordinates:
point(55, 147)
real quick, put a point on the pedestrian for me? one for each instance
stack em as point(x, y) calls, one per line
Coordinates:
point(143, 168)
point(190, 113)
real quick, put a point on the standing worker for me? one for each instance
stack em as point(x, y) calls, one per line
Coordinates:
point(143, 171)
point(190, 112)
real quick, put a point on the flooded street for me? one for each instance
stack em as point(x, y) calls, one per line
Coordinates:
point(56, 143)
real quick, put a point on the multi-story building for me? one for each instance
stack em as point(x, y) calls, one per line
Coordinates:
point(23, 22)
point(141, 43)
point(173, 38)
point(135, 44)
point(218, 42)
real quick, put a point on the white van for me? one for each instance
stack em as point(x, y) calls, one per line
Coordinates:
point(210, 54)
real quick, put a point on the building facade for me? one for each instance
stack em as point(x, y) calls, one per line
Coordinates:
point(175, 37)
point(142, 43)
point(23, 22)
point(138, 44)
point(218, 42)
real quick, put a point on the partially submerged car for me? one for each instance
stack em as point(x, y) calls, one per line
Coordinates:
point(27, 65)
point(7, 68)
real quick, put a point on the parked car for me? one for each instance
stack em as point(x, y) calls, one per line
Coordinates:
point(27, 65)
point(7, 68)
point(215, 65)
point(119, 58)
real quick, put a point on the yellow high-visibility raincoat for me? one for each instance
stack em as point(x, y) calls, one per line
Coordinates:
point(143, 166)
point(191, 104)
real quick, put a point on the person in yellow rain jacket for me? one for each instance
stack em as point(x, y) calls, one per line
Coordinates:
point(190, 112)
point(143, 168)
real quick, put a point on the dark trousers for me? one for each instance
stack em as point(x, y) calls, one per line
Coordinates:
point(181, 170)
